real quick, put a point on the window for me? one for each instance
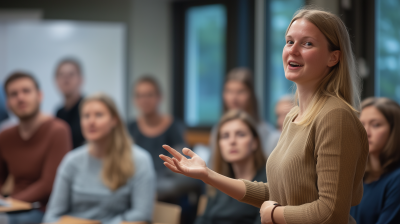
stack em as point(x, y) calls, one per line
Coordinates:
point(387, 45)
point(204, 64)
point(280, 13)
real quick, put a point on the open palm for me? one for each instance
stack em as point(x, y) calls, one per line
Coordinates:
point(194, 167)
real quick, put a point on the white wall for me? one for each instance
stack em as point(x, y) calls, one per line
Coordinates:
point(150, 46)
point(36, 47)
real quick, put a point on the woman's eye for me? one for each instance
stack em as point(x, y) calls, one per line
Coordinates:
point(308, 44)
point(224, 136)
point(376, 125)
point(241, 134)
point(289, 42)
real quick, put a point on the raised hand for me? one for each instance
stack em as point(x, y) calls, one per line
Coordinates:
point(194, 167)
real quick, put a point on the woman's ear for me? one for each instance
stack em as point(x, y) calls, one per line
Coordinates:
point(334, 58)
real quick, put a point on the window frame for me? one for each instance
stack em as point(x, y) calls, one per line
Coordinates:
point(239, 48)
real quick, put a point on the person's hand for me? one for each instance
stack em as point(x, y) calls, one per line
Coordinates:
point(194, 167)
point(265, 212)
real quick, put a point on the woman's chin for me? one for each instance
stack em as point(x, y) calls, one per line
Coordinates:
point(291, 76)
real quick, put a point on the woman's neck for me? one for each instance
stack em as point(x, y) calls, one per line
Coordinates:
point(244, 169)
point(98, 148)
point(306, 93)
point(376, 168)
point(71, 100)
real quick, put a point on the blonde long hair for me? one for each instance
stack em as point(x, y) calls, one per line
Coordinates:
point(118, 165)
point(342, 81)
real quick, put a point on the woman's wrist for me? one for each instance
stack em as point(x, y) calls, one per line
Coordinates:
point(278, 215)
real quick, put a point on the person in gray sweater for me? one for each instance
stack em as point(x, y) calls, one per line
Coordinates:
point(108, 179)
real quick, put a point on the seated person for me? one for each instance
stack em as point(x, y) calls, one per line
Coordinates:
point(239, 94)
point(32, 150)
point(69, 79)
point(381, 198)
point(239, 155)
point(108, 179)
point(151, 130)
point(282, 108)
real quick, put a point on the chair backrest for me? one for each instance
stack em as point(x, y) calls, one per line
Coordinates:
point(8, 186)
point(201, 206)
point(166, 213)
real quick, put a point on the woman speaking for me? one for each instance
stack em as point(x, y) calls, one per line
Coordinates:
point(315, 173)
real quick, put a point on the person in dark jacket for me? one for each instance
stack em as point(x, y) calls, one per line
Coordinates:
point(69, 80)
point(381, 198)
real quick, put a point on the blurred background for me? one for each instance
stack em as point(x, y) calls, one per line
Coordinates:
point(189, 46)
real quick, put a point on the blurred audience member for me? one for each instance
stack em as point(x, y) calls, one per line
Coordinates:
point(69, 80)
point(3, 107)
point(239, 93)
point(151, 130)
point(32, 150)
point(381, 199)
point(109, 179)
point(238, 155)
point(282, 108)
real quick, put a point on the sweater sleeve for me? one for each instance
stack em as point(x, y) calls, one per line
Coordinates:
point(143, 188)
point(256, 193)
point(60, 199)
point(339, 145)
point(390, 213)
point(60, 144)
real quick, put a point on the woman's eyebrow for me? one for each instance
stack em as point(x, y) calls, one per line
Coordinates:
point(305, 37)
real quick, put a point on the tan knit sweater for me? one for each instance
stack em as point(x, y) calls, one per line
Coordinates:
point(316, 171)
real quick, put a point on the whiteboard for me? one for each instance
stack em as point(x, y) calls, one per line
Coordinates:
point(36, 47)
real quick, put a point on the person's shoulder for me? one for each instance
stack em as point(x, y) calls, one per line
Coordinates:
point(142, 160)
point(394, 175)
point(336, 104)
point(336, 109)
point(9, 133)
point(139, 153)
point(57, 125)
point(132, 125)
point(76, 156)
point(177, 124)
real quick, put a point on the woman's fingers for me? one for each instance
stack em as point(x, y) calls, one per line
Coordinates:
point(177, 165)
point(173, 152)
point(188, 152)
point(166, 159)
point(172, 168)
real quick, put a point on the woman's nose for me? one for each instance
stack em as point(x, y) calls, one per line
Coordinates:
point(294, 49)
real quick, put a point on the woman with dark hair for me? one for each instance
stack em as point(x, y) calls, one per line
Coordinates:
point(239, 94)
point(381, 199)
point(238, 154)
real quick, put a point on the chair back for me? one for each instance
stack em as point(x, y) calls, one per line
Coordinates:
point(201, 206)
point(166, 213)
